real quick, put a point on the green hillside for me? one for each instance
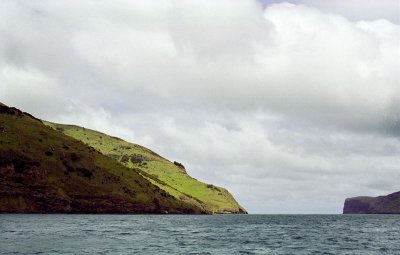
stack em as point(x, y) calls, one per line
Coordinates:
point(167, 175)
point(45, 171)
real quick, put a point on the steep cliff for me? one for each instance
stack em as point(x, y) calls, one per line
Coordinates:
point(389, 204)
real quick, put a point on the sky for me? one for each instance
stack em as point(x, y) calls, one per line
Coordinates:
point(292, 106)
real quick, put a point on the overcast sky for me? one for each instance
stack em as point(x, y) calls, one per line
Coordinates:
point(291, 106)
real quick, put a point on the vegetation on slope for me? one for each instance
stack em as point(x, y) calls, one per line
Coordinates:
point(42, 170)
point(167, 175)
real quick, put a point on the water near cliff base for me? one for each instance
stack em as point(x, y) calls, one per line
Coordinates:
point(212, 234)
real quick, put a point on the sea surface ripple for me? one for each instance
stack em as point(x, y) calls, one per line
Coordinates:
point(206, 234)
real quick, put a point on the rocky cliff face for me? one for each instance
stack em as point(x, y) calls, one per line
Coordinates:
point(389, 204)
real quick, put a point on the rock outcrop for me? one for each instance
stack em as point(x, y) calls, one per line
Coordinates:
point(389, 204)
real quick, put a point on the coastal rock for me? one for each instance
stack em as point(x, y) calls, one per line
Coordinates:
point(389, 204)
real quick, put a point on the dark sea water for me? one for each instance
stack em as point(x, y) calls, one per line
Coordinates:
point(212, 234)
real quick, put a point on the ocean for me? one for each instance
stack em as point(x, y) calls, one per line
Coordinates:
point(205, 234)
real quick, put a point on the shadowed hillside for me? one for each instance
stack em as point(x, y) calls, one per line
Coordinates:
point(389, 204)
point(45, 171)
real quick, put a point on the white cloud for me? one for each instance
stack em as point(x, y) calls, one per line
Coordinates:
point(354, 10)
point(28, 88)
point(289, 107)
point(360, 9)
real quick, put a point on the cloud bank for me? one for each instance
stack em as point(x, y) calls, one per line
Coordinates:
point(292, 107)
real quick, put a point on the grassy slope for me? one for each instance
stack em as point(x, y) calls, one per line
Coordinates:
point(156, 169)
point(42, 170)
